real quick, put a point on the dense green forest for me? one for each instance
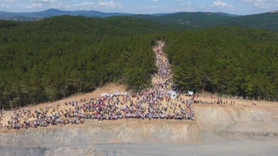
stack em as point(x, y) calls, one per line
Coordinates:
point(230, 60)
point(56, 57)
point(53, 58)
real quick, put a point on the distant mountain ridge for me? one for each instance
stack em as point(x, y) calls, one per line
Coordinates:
point(32, 16)
point(188, 19)
point(192, 20)
point(180, 20)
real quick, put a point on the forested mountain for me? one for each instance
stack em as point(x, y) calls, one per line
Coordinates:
point(56, 57)
point(188, 20)
point(59, 56)
point(230, 60)
point(268, 21)
point(12, 17)
point(17, 17)
point(226, 14)
point(182, 20)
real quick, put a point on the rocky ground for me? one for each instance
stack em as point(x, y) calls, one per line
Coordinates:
point(250, 146)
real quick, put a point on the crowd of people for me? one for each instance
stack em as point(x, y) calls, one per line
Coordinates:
point(1, 114)
point(153, 103)
point(218, 101)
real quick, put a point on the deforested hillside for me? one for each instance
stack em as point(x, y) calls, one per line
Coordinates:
point(229, 60)
point(56, 57)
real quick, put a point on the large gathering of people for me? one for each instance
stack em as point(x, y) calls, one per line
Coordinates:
point(155, 102)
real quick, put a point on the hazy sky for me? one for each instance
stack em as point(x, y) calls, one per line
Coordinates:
point(240, 7)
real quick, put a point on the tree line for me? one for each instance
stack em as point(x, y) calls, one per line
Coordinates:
point(228, 60)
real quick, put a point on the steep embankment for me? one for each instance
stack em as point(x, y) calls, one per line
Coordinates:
point(107, 132)
point(238, 120)
point(212, 123)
